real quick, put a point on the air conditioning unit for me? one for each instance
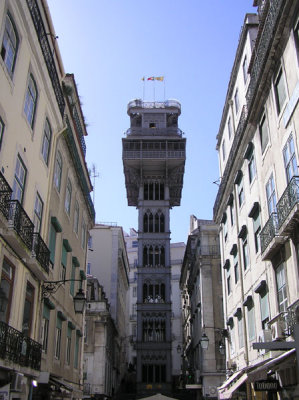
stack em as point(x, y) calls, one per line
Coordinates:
point(16, 383)
point(265, 335)
point(277, 331)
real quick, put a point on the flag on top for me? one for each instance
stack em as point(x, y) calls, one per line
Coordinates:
point(151, 78)
point(159, 78)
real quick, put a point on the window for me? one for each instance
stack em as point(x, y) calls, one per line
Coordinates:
point(245, 253)
point(83, 235)
point(289, 157)
point(89, 268)
point(63, 262)
point(232, 210)
point(153, 256)
point(38, 212)
point(28, 309)
point(46, 141)
point(73, 276)
point(6, 289)
point(240, 331)
point(58, 337)
point(251, 167)
point(30, 101)
point(251, 321)
point(68, 197)
point(19, 181)
point(257, 230)
point(2, 126)
point(282, 296)
point(76, 359)
point(241, 192)
point(237, 102)
point(264, 307)
point(58, 171)
point(280, 91)
point(228, 281)
point(135, 243)
point(223, 150)
point(263, 130)
point(55, 227)
point(45, 327)
point(68, 345)
point(134, 291)
point(229, 127)
point(153, 373)
point(153, 190)
point(224, 222)
point(10, 45)
point(271, 195)
point(236, 267)
point(76, 218)
point(245, 69)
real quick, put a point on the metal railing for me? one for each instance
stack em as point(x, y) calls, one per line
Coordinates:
point(288, 200)
point(206, 250)
point(170, 131)
point(21, 223)
point(47, 52)
point(153, 154)
point(269, 231)
point(41, 251)
point(18, 348)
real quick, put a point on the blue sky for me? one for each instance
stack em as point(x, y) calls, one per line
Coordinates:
point(110, 45)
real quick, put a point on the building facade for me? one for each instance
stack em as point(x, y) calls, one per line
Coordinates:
point(203, 361)
point(108, 262)
point(37, 324)
point(154, 159)
point(256, 205)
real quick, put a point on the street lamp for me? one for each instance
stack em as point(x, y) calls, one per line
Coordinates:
point(204, 341)
point(50, 287)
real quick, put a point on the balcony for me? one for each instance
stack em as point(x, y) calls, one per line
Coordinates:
point(18, 230)
point(138, 131)
point(288, 207)
point(19, 349)
point(270, 239)
point(209, 251)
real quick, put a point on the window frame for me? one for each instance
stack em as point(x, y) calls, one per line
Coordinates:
point(37, 219)
point(30, 300)
point(58, 170)
point(280, 271)
point(271, 197)
point(280, 100)
point(10, 280)
point(264, 132)
point(46, 143)
point(10, 67)
point(68, 196)
point(2, 127)
point(251, 167)
point(289, 149)
point(19, 182)
point(31, 98)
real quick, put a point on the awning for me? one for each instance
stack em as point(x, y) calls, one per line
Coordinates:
point(226, 392)
point(60, 383)
point(261, 372)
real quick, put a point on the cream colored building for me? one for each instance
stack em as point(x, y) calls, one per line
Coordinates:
point(203, 367)
point(257, 202)
point(108, 262)
point(34, 107)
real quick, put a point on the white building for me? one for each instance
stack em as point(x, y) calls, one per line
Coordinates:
point(257, 201)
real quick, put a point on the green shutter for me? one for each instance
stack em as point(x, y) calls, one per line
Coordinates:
point(72, 286)
point(64, 256)
point(46, 312)
point(69, 332)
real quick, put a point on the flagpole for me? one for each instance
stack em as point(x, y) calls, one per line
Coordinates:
point(154, 92)
point(143, 88)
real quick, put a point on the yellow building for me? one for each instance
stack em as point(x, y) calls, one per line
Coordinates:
point(45, 209)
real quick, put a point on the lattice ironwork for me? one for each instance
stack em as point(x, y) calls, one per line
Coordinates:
point(41, 251)
point(5, 196)
point(69, 137)
point(79, 130)
point(231, 159)
point(269, 231)
point(288, 200)
point(47, 52)
point(263, 48)
point(18, 348)
point(21, 223)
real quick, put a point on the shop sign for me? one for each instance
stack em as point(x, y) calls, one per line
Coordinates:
point(266, 385)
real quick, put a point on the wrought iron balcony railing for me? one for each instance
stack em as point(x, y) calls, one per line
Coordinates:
point(288, 200)
point(41, 251)
point(21, 223)
point(18, 348)
point(269, 231)
point(262, 50)
point(5, 196)
point(47, 52)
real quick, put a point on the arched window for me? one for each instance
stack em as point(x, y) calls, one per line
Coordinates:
point(145, 222)
point(150, 223)
point(10, 44)
point(58, 171)
point(46, 141)
point(159, 222)
point(30, 100)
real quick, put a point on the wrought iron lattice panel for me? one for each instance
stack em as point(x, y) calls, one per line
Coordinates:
point(47, 52)
point(5, 196)
point(288, 200)
point(263, 49)
point(21, 223)
point(41, 251)
point(18, 348)
point(269, 231)
point(79, 130)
